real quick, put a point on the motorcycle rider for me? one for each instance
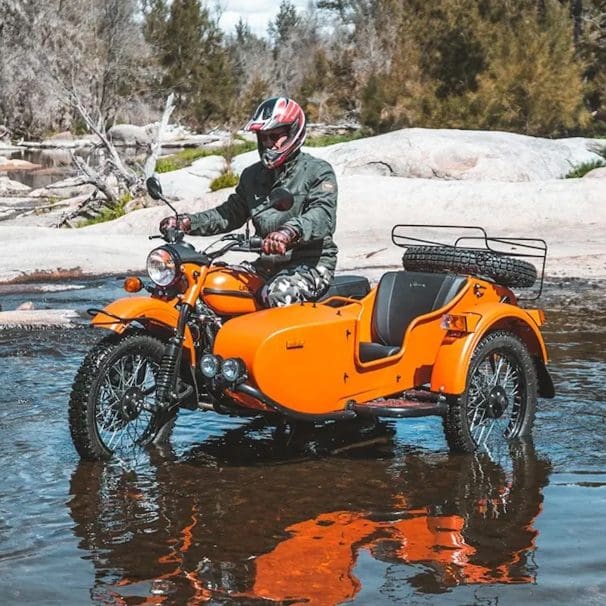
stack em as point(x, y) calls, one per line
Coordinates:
point(299, 254)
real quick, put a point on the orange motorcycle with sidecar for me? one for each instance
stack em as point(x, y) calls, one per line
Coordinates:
point(446, 335)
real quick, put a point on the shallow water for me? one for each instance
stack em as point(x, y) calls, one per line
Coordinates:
point(228, 515)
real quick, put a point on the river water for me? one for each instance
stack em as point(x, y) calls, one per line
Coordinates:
point(227, 515)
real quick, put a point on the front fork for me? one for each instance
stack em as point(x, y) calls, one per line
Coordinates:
point(168, 374)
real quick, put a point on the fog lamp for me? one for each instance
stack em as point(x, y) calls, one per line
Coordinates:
point(233, 369)
point(210, 365)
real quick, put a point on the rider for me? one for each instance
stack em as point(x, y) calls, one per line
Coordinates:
point(299, 254)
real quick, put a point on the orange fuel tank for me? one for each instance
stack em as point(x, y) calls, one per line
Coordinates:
point(230, 291)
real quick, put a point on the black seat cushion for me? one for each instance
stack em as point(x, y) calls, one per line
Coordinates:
point(401, 297)
point(353, 287)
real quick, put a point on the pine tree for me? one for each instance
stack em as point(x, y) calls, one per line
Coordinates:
point(197, 66)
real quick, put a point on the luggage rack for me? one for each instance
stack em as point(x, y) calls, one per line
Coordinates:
point(531, 250)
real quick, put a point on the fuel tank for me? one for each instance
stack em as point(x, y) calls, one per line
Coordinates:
point(231, 291)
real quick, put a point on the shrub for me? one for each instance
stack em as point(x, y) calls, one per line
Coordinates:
point(582, 169)
point(324, 140)
point(185, 157)
point(227, 179)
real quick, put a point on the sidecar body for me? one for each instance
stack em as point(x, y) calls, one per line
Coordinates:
point(432, 342)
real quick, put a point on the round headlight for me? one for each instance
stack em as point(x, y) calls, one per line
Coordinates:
point(232, 369)
point(210, 365)
point(162, 266)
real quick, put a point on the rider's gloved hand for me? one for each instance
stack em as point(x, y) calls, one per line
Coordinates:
point(182, 222)
point(279, 241)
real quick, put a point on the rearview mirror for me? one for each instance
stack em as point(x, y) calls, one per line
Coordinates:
point(154, 189)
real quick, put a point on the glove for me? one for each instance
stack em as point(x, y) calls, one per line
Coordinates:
point(279, 241)
point(182, 222)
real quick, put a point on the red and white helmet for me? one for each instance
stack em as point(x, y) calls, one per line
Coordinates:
point(275, 113)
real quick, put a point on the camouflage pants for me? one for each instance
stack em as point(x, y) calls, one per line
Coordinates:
point(295, 284)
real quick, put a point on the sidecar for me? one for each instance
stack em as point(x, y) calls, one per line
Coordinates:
point(444, 335)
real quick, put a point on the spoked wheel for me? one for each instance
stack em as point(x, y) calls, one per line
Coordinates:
point(499, 401)
point(112, 404)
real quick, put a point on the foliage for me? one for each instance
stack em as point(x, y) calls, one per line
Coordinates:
point(185, 157)
point(532, 66)
point(582, 169)
point(189, 44)
point(227, 179)
point(110, 213)
point(325, 140)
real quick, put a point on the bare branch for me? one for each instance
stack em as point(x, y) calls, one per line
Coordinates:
point(95, 179)
point(155, 148)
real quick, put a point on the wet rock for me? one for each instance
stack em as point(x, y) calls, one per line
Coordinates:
point(9, 187)
point(39, 318)
point(25, 306)
point(16, 164)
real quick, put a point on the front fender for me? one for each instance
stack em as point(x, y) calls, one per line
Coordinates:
point(156, 315)
point(449, 374)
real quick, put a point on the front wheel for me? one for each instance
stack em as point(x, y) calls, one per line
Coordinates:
point(499, 401)
point(112, 404)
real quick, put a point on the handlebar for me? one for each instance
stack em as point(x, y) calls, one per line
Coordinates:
point(236, 242)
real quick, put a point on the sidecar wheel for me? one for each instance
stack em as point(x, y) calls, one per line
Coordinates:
point(112, 398)
point(499, 402)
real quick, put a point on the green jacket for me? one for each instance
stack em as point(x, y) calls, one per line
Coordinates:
point(314, 186)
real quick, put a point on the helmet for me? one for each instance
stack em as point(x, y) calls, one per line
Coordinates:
point(275, 113)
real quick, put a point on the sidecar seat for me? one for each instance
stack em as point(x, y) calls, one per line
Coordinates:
point(401, 297)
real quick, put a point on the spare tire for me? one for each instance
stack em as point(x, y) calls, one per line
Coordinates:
point(503, 269)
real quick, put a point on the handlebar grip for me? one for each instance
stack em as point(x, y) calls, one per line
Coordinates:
point(255, 243)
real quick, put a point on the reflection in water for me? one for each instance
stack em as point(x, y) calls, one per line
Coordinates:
point(242, 519)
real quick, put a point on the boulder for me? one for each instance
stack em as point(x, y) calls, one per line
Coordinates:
point(13, 164)
point(130, 135)
point(13, 188)
point(183, 184)
point(596, 173)
point(460, 155)
point(209, 167)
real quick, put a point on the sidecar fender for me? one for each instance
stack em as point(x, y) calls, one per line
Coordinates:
point(157, 316)
point(449, 374)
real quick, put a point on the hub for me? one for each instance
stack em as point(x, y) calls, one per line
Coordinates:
point(497, 402)
point(130, 405)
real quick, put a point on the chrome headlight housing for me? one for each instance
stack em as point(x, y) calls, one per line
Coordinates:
point(162, 266)
point(210, 365)
point(233, 370)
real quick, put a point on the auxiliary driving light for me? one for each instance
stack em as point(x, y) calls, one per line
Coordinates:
point(233, 369)
point(210, 365)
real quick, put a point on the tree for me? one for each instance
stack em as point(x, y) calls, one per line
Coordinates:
point(252, 62)
point(50, 48)
point(196, 65)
